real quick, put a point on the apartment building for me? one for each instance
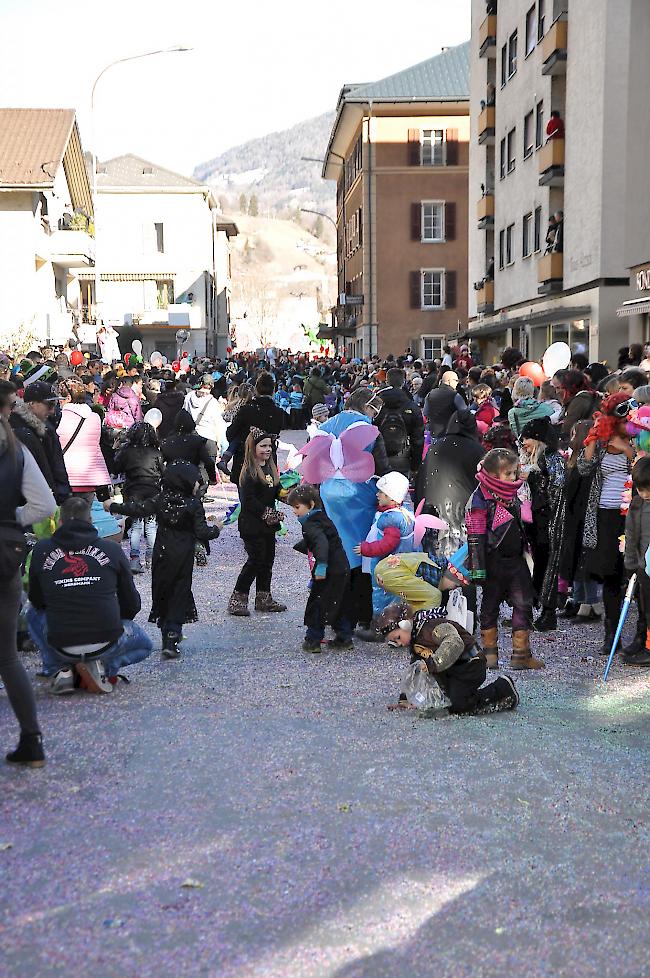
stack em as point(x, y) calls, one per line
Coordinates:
point(399, 154)
point(163, 257)
point(534, 280)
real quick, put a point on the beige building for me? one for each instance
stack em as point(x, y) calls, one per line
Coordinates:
point(45, 224)
point(163, 256)
point(399, 154)
point(532, 58)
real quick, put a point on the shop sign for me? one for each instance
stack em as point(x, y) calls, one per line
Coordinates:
point(643, 280)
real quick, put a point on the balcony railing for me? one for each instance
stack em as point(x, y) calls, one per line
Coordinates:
point(485, 298)
point(550, 271)
point(554, 49)
point(485, 211)
point(550, 161)
point(72, 248)
point(487, 38)
point(486, 123)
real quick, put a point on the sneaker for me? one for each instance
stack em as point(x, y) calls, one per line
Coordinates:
point(62, 682)
point(201, 556)
point(311, 645)
point(640, 658)
point(29, 751)
point(511, 691)
point(93, 678)
point(341, 644)
point(547, 621)
point(570, 609)
point(136, 566)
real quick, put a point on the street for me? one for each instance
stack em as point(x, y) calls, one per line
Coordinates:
point(254, 812)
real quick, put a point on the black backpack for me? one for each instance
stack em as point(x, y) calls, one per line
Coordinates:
point(394, 431)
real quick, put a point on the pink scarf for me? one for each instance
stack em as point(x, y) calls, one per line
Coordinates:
point(504, 491)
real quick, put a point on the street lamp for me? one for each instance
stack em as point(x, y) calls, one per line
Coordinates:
point(306, 210)
point(120, 61)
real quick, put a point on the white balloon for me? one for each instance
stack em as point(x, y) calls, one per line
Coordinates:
point(136, 346)
point(557, 357)
point(153, 417)
point(155, 359)
point(185, 364)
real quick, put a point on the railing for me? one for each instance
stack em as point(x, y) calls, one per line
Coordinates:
point(486, 123)
point(554, 49)
point(550, 267)
point(485, 296)
point(551, 155)
point(487, 37)
point(485, 208)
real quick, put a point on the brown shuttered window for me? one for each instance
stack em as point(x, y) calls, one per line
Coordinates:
point(413, 147)
point(416, 222)
point(451, 138)
point(450, 221)
point(414, 284)
point(450, 290)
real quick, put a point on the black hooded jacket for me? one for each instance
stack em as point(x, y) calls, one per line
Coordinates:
point(397, 401)
point(448, 477)
point(42, 441)
point(84, 584)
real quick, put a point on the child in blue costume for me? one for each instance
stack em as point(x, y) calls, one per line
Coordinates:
point(392, 532)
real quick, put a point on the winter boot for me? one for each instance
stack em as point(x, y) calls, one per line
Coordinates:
point(200, 555)
point(637, 656)
point(136, 566)
point(264, 602)
point(368, 633)
point(608, 638)
point(238, 604)
point(570, 609)
point(170, 649)
point(29, 751)
point(638, 643)
point(502, 694)
point(522, 657)
point(490, 639)
point(547, 621)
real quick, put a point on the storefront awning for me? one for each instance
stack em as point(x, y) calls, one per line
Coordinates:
point(634, 307)
point(128, 276)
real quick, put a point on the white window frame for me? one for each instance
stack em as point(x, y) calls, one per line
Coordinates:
point(511, 150)
point(432, 271)
point(510, 244)
point(433, 203)
point(436, 348)
point(530, 39)
point(527, 232)
point(430, 144)
point(512, 58)
point(529, 136)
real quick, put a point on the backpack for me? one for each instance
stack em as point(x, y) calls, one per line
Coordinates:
point(394, 432)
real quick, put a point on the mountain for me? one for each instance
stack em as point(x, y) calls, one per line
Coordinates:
point(272, 169)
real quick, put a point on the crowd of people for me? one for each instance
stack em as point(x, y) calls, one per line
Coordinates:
point(431, 496)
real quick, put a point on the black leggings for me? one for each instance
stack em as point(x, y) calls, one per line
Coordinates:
point(12, 672)
point(259, 566)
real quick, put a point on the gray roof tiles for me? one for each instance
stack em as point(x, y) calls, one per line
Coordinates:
point(445, 76)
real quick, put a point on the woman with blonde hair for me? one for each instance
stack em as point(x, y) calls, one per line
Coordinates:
point(259, 521)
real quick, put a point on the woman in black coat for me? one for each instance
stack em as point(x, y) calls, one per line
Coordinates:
point(141, 462)
point(448, 478)
point(263, 413)
point(187, 446)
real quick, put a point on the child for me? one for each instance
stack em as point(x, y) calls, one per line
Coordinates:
point(637, 541)
point(449, 654)
point(421, 578)
point(237, 398)
point(296, 413)
point(483, 406)
point(330, 574)
point(497, 556)
point(181, 522)
point(392, 531)
point(319, 414)
point(548, 395)
point(259, 521)
point(141, 461)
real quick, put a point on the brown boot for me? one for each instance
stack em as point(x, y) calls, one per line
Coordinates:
point(490, 639)
point(238, 604)
point(264, 602)
point(522, 658)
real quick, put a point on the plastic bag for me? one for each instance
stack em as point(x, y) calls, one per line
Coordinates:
point(458, 610)
point(422, 691)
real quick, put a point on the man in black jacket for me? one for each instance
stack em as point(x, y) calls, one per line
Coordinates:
point(30, 422)
point(83, 602)
point(400, 422)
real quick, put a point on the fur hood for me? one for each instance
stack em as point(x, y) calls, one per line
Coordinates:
point(22, 411)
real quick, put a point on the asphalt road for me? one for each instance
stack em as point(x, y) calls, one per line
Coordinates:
point(253, 812)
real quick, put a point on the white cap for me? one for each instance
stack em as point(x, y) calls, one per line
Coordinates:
point(394, 485)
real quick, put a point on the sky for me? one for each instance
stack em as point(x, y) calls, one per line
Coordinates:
point(256, 66)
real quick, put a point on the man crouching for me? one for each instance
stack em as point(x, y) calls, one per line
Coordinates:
point(82, 604)
point(449, 654)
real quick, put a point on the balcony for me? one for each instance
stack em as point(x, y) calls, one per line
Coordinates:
point(485, 298)
point(72, 248)
point(486, 121)
point(485, 211)
point(487, 38)
point(550, 273)
point(551, 163)
point(554, 49)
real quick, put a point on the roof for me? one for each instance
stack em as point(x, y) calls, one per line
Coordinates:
point(135, 173)
point(32, 145)
point(443, 77)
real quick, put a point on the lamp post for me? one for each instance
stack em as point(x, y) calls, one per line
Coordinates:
point(118, 61)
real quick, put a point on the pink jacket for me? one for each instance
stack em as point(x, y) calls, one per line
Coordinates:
point(84, 461)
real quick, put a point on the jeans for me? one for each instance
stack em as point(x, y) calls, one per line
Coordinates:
point(132, 646)
point(149, 526)
point(585, 592)
point(12, 671)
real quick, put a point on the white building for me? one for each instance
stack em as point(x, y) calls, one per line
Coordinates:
point(528, 59)
point(163, 257)
point(45, 214)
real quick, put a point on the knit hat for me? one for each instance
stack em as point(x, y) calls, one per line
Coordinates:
point(258, 435)
point(540, 429)
point(394, 485)
point(319, 412)
point(390, 617)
